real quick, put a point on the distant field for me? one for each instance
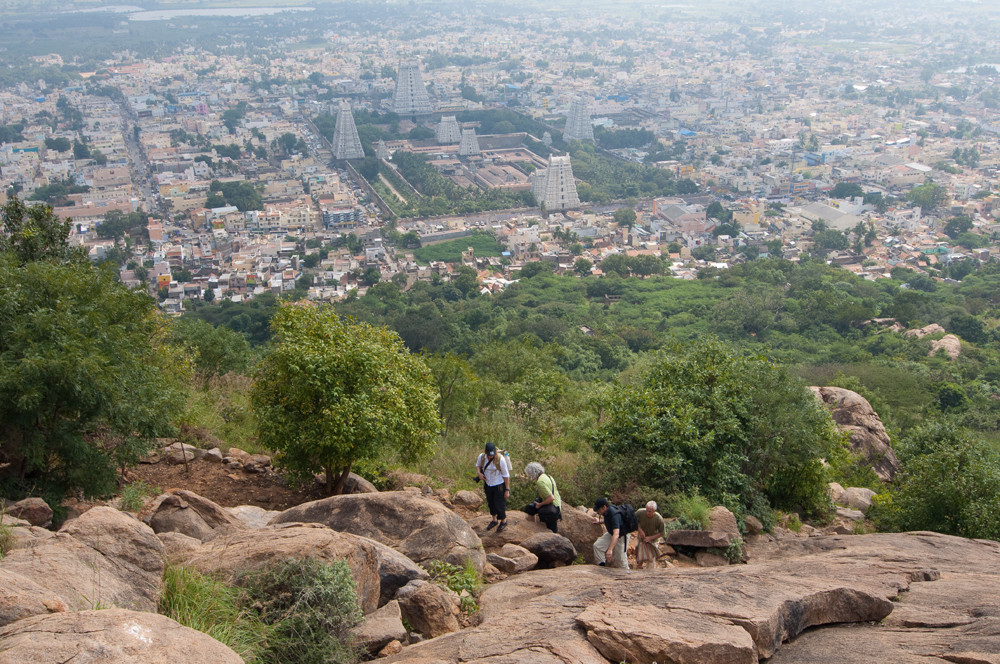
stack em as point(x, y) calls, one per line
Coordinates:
point(451, 250)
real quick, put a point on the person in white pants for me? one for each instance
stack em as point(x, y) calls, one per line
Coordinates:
point(613, 544)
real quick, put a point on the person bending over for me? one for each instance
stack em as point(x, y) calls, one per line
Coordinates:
point(548, 506)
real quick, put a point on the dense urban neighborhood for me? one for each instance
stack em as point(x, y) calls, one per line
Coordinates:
point(663, 149)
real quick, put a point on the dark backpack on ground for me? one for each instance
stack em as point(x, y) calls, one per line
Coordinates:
point(629, 519)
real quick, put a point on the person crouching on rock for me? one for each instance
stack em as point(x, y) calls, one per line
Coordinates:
point(548, 505)
point(493, 471)
point(613, 543)
point(651, 529)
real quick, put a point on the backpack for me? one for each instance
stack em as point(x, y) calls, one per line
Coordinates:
point(500, 453)
point(629, 519)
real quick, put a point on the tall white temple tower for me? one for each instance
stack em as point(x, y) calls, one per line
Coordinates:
point(578, 125)
point(555, 185)
point(470, 144)
point(346, 143)
point(382, 152)
point(410, 96)
point(448, 131)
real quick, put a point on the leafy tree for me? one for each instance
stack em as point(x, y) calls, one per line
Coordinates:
point(690, 424)
point(644, 266)
point(369, 168)
point(332, 393)
point(582, 267)
point(99, 157)
point(625, 217)
point(35, 234)
point(829, 240)
point(535, 268)
point(617, 263)
point(216, 350)
point(371, 276)
point(958, 225)
point(674, 248)
point(59, 144)
point(928, 196)
point(458, 388)
point(715, 210)
point(949, 483)
point(80, 354)
point(847, 190)
point(80, 151)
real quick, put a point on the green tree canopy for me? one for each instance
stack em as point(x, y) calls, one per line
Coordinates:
point(86, 380)
point(928, 196)
point(847, 190)
point(333, 393)
point(691, 423)
point(958, 225)
point(949, 483)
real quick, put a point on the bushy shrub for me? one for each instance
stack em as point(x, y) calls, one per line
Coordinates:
point(310, 605)
point(736, 427)
point(296, 611)
point(214, 608)
point(949, 483)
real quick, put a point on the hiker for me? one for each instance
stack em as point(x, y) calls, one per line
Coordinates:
point(492, 469)
point(651, 529)
point(548, 505)
point(613, 543)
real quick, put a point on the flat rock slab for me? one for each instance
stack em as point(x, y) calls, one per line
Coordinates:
point(584, 614)
point(703, 539)
point(113, 636)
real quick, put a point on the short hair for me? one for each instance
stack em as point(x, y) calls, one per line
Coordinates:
point(652, 504)
point(601, 502)
point(534, 470)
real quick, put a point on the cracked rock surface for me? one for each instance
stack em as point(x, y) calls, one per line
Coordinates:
point(889, 598)
point(113, 636)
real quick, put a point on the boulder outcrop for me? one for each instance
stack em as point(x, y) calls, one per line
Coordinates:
point(575, 526)
point(240, 551)
point(922, 332)
point(422, 529)
point(951, 344)
point(185, 512)
point(105, 557)
point(113, 636)
point(33, 510)
point(741, 613)
point(855, 415)
point(380, 628)
point(429, 609)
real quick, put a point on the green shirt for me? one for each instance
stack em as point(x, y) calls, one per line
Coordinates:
point(652, 525)
point(547, 486)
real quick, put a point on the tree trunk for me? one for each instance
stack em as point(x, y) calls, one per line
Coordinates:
point(339, 487)
point(329, 480)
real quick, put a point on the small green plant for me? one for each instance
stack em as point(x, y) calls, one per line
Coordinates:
point(214, 608)
point(794, 523)
point(579, 560)
point(691, 511)
point(7, 539)
point(458, 579)
point(134, 495)
point(310, 606)
point(862, 528)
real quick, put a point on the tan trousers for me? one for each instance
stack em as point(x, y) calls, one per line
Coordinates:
point(601, 549)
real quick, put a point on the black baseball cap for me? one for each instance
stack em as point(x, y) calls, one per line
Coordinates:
point(491, 449)
point(601, 502)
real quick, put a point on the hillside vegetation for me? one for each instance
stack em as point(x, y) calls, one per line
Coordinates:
point(631, 387)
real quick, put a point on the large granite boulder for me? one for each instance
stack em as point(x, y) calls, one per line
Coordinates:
point(575, 526)
point(551, 548)
point(380, 628)
point(185, 512)
point(951, 344)
point(744, 613)
point(853, 414)
point(21, 597)
point(33, 510)
point(420, 528)
point(113, 636)
point(104, 557)
point(236, 552)
point(252, 516)
point(429, 609)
